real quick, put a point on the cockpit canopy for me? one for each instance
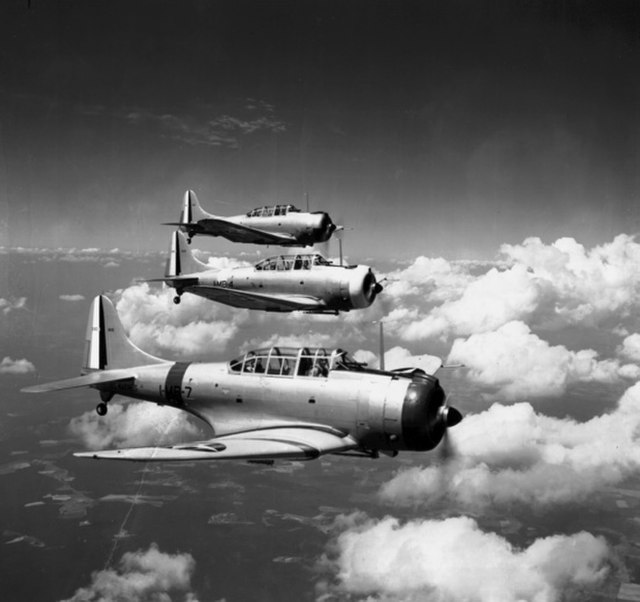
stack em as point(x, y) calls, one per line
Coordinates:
point(292, 262)
point(294, 361)
point(273, 210)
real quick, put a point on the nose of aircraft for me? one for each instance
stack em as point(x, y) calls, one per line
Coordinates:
point(371, 287)
point(326, 228)
point(425, 414)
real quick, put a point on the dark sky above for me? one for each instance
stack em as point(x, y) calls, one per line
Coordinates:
point(430, 127)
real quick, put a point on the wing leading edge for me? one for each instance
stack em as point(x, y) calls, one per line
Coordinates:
point(282, 443)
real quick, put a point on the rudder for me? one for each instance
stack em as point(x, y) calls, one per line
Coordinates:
point(192, 212)
point(107, 345)
point(181, 260)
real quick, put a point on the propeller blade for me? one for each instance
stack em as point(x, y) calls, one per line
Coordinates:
point(452, 417)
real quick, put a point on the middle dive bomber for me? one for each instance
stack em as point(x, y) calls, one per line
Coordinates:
point(274, 403)
point(306, 282)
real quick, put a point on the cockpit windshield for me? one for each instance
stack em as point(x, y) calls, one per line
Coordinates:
point(292, 361)
point(292, 262)
point(273, 210)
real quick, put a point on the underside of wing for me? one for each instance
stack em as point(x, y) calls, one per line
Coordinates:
point(237, 233)
point(260, 301)
point(88, 380)
point(283, 443)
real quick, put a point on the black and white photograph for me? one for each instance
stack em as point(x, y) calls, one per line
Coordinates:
point(320, 300)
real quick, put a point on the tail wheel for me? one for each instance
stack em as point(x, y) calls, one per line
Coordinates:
point(101, 409)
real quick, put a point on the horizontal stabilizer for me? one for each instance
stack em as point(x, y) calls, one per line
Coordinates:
point(191, 227)
point(179, 280)
point(287, 443)
point(88, 380)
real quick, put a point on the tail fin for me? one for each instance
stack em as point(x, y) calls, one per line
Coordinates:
point(181, 259)
point(107, 346)
point(192, 212)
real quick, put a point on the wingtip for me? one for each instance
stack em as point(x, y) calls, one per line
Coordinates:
point(32, 389)
point(92, 455)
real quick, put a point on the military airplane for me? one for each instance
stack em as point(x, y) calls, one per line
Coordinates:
point(267, 404)
point(305, 282)
point(283, 225)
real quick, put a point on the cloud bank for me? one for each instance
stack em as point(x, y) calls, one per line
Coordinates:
point(519, 364)
point(160, 327)
point(454, 560)
point(131, 425)
point(10, 366)
point(551, 286)
point(142, 576)
point(11, 304)
point(71, 298)
point(513, 455)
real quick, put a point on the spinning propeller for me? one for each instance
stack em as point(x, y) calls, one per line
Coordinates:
point(449, 416)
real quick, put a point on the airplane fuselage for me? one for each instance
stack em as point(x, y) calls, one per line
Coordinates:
point(383, 411)
point(306, 228)
point(336, 288)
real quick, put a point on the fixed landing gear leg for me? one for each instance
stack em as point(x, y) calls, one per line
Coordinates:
point(101, 409)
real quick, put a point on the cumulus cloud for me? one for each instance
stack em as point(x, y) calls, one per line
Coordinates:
point(142, 576)
point(132, 425)
point(10, 366)
point(486, 303)
point(511, 454)
point(72, 298)
point(433, 279)
point(11, 304)
point(454, 560)
point(588, 285)
point(630, 347)
point(517, 363)
point(552, 286)
point(158, 326)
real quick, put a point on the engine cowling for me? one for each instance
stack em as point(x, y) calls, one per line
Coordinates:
point(324, 227)
point(425, 414)
point(363, 287)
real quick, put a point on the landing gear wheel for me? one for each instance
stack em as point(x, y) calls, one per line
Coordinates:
point(176, 299)
point(188, 241)
point(101, 408)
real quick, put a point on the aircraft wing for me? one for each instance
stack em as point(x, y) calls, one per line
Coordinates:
point(251, 300)
point(238, 233)
point(281, 443)
point(88, 380)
